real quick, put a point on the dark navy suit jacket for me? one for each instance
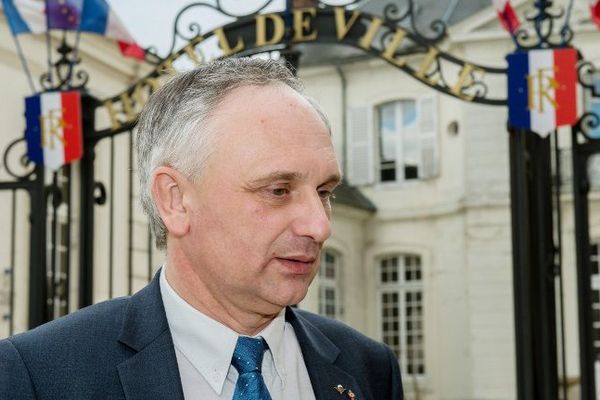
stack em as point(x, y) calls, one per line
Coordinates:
point(122, 349)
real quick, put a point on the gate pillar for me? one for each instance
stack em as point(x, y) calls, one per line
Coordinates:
point(88, 199)
point(38, 274)
point(533, 266)
point(588, 317)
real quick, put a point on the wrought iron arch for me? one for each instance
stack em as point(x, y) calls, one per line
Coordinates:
point(387, 37)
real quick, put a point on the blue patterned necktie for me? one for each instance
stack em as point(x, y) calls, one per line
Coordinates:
point(247, 359)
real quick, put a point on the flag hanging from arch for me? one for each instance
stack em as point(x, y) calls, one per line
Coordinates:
point(53, 132)
point(507, 15)
point(595, 11)
point(542, 89)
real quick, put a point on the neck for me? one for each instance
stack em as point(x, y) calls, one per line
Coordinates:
point(192, 289)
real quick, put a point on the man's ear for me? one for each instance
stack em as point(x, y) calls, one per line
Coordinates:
point(168, 188)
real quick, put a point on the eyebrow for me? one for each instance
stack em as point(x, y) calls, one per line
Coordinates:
point(336, 179)
point(292, 176)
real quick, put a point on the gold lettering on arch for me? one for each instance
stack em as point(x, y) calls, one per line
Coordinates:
point(390, 51)
point(189, 49)
point(302, 24)
point(269, 29)
point(342, 27)
point(224, 43)
point(367, 39)
point(261, 29)
point(465, 79)
point(426, 64)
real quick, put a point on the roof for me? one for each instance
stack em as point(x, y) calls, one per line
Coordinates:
point(351, 196)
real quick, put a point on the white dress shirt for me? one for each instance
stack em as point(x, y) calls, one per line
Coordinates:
point(204, 348)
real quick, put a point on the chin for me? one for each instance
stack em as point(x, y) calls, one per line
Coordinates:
point(295, 301)
point(290, 298)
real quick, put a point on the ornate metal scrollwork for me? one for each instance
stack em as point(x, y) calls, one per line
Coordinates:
point(99, 193)
point(392, 14)
point(437, 72)
point(585, 72)
point(543, 18)
point(436, 68)
point(54, 194)
point(389, 37)
point(588, 122)
point(25, 164)
point(63, 74)
point(477, 87)
point(194, 28)
point(151, 55)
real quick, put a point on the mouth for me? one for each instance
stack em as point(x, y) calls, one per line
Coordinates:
point(297, 265)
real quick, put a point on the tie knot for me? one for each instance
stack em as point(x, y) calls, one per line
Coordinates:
point(248, 354)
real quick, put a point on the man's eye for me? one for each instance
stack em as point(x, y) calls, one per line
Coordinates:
point(279, 192)
point(326, 195)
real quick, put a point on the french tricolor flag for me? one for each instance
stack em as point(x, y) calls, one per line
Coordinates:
point(53, 132)
point(542, 89)
point(507, 15)
point(95, 16)
point(595, 11)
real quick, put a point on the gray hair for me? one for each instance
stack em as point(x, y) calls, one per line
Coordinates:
point(170, 128)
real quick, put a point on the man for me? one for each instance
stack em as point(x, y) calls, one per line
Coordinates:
point(236, 172)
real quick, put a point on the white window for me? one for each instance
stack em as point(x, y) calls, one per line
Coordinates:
point(401, 314)
point(330, 304)
point(595, 282)
point(395, 141)
point(406, 140)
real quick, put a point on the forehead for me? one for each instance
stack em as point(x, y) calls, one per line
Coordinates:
point(261, 128)
point(265, 103)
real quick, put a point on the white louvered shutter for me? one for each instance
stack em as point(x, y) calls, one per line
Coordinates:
point(427, 114)
point(360, 146)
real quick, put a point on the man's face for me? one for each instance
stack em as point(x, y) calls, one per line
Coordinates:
point(260, 209)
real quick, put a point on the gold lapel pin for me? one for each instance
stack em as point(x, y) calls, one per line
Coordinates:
point(340, 389)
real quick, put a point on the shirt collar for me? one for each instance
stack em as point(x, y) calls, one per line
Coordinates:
point(273, 335)
point(207, 344)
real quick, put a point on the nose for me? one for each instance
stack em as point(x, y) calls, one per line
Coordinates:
point(312, 218)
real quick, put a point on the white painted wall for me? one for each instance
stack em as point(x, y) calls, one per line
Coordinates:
point(459, 222)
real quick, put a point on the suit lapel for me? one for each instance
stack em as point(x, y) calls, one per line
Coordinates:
point(152, 372)
point(320, 355)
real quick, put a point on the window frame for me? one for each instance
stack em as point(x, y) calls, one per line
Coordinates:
point(423, 136)
point(334, 284)
point(402, 287)
point(594, 261)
